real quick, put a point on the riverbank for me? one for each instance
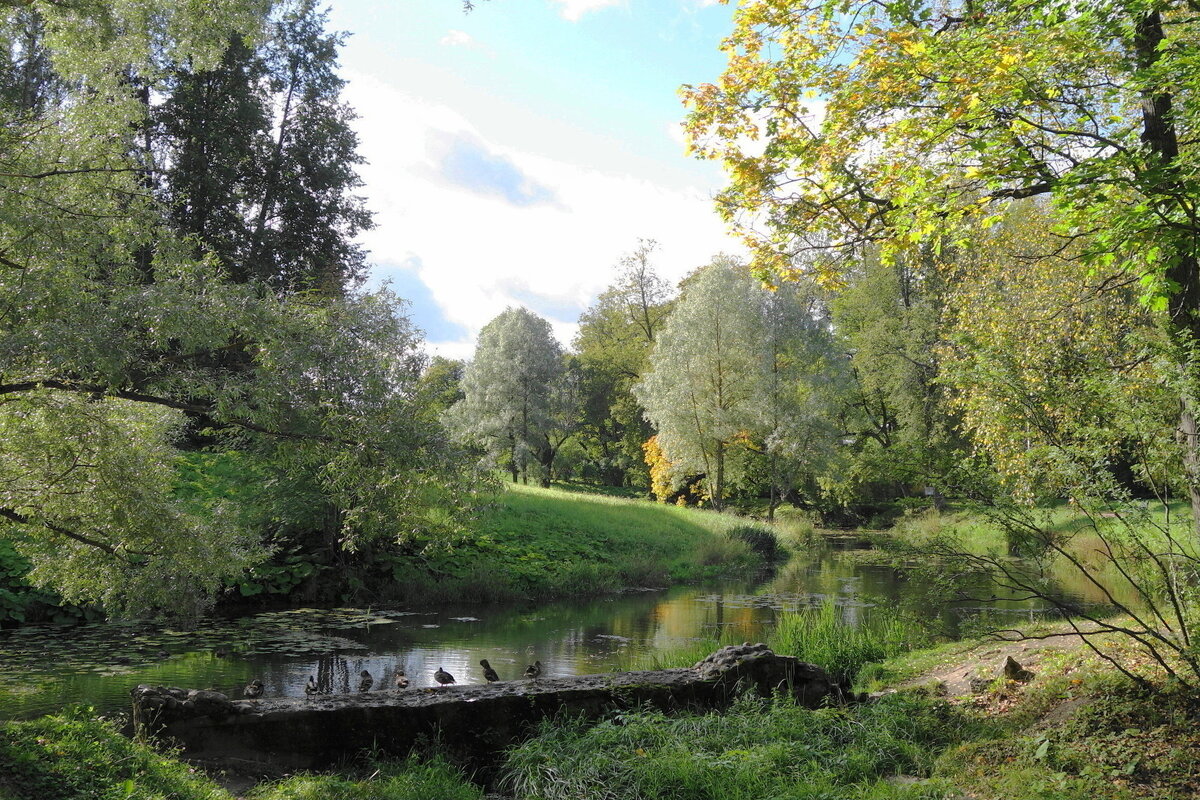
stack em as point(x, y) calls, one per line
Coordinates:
point(526, 543)
point(535, 543)
point(945, 724)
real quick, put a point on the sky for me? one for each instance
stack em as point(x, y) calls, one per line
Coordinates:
point(516, 153)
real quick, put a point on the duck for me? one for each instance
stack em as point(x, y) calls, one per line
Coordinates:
point(443, 677)
point(311, 687)
point(253, 689)
point(367, 681)
point(489, 674)
point(533, 670)
point(401, 679)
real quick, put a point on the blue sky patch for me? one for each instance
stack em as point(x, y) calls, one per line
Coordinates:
point(425, 312)
point(465, 161)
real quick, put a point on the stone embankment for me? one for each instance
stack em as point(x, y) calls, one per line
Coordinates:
point(473, 723)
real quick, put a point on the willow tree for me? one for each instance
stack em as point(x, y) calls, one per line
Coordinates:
point(116, 332)
point(705, 383)
point(513, 395)
point(904, 122)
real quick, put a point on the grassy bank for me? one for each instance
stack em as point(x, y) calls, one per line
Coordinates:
point(1077, 730)
point(75, 757)
point(541, 543)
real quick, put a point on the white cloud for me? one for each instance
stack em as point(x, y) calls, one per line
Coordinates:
point(479, 252)
point(676, 133)
point(455, 38)
point(573, 10)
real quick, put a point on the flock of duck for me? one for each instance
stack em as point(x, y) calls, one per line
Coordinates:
point(254, 689)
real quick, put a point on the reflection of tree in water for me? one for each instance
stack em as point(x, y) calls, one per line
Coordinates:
point(333, 674)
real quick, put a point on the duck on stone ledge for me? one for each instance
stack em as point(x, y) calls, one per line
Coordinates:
point(311, 687)
point(533, 670)
point(443, 677)
point(253, 690)
point(489, 674)
point(401, 679)
point(367, 681)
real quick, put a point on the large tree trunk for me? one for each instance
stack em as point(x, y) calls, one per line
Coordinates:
point(1160, 136)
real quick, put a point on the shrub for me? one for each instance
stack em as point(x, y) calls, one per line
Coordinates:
point(719, 550)
point(761, 540)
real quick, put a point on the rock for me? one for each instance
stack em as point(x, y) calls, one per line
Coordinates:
point(1015, 672)
point(477, 722)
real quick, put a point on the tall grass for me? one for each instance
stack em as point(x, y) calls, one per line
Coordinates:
point(758, 749)
point(823, 637)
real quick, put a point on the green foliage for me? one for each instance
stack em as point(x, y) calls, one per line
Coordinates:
point(757, 749)
point(517, 395)
point(279, 575)
point(706, 373)
point(20, 602)
point(76, 757)
point(824, 637)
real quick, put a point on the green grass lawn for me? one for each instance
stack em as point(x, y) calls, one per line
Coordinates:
point(538, 543)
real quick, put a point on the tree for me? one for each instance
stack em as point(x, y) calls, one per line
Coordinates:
point(510, 394)
point(706, 373)
point(613, 344)
point(888, 318)
point(27, 80)
point(441, 384)
point(1055, 369)
point(257, 157)
point(114, 331)
point(794, 430)
point(936, 119)
point(938, 115)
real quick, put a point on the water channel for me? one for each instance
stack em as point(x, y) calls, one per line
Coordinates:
point(45, 668)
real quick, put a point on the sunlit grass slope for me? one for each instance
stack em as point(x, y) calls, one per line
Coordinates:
point(535, 542)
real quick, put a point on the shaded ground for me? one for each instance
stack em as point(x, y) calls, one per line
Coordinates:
point(1077, 729)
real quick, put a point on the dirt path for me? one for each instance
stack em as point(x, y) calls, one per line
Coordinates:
point(967, 670)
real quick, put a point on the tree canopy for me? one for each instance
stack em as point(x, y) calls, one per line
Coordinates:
point(907, 123)
point(516, 402)
point(705, 376)
point(128, 326)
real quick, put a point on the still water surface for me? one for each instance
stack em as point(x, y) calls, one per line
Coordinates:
point(44, 668)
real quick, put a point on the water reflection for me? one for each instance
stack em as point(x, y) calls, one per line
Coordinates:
point(44, 669)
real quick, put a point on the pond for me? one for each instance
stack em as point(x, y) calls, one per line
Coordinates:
point(44, 668)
